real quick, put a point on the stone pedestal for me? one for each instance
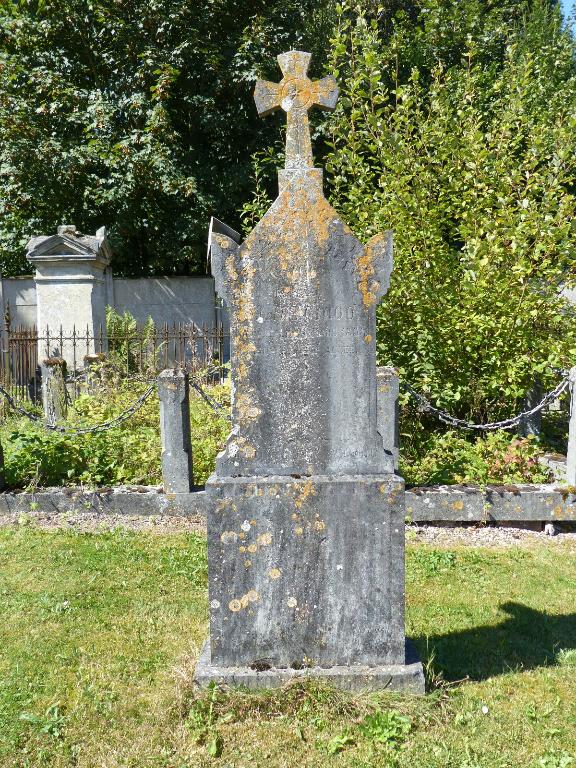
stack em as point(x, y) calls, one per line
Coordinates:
point(307, 576)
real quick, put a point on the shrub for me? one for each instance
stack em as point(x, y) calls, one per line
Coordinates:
point(128, 453)
point(496, 458)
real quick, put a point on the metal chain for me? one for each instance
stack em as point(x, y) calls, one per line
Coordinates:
point(106, 425)
point(214, 404)
point(452, 421)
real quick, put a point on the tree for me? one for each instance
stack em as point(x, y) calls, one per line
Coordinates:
point(135, 114)
point(456, 128)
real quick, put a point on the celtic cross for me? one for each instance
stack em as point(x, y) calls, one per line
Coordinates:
point(296, 94)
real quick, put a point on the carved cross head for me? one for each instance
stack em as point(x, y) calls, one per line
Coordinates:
point(296, 94)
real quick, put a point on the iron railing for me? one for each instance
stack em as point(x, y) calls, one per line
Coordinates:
point(141, 351)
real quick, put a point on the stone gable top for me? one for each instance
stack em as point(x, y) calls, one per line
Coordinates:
point(70, 245)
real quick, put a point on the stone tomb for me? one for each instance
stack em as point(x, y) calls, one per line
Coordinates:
point(306, 527)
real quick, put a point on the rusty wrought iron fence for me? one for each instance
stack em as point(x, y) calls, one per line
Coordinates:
point(140, 351)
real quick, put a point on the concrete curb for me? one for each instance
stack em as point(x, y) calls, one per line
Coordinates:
point(448, 503)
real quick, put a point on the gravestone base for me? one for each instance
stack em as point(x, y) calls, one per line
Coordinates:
point(404, 678)
point(307, 576)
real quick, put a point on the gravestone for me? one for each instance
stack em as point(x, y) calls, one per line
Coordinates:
point(306, 528)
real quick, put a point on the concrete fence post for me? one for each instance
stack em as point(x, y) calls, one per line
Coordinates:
point(532, 425)
point(388, 389)
point(92, 365)
point(53, 372)
point(571, 453)
point(177, 469)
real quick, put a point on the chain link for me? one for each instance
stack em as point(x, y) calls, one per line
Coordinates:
point(106, 425)
point(453, 421)
point(425, 404)
point(214, 404)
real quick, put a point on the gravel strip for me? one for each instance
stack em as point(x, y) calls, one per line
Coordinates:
point(92, 522)
point(484, 536)
point(443, 536)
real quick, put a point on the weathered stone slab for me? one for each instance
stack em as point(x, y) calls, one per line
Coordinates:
point(457, 503)
point(302, 292)
point(407, 678)
point(141, 501)
point(296, 578)
point(526, 502)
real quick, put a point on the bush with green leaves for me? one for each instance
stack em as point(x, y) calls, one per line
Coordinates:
point(499, 458)
point(127, 453)
point(470, 161)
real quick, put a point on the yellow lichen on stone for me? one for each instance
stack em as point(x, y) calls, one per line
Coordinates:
point(222, 241)
point(367, 284)
point(304, 493)
point(274, 573)
point(234, 605)
point(367, 338)
point(264, 539)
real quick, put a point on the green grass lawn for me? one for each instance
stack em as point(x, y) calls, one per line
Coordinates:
point(99, 633)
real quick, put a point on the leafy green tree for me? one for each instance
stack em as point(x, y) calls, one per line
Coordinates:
point(456, 128)
point(136, 114)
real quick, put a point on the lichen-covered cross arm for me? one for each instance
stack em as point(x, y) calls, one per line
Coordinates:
point(296, 94)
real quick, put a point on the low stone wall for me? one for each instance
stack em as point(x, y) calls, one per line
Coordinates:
point(495, 503)
point(129, 500)
point(451, 503)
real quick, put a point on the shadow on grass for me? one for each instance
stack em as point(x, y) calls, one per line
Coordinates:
point(525, 640)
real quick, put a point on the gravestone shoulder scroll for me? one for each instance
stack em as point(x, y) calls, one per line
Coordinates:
point(306, 536)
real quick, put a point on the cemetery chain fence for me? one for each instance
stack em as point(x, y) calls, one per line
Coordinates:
point(109, 424)
point(219, 408)
point(514, 421)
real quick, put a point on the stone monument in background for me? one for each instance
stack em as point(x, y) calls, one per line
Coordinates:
point(70, 285)
point(306, 529)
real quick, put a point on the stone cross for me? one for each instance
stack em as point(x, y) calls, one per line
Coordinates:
point(296, 94)
point(306, 531)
